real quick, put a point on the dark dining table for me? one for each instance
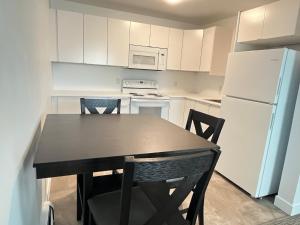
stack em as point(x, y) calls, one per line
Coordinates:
point(73, 144)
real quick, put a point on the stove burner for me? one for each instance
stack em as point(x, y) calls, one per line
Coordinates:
point(136, 94)
point(156, 95)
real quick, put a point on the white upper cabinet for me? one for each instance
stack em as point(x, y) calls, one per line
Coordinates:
point(53, 35)
point(216, 47)
point(191, 50)
point(281, 19)
point(174, 49)
point(139, 34)
point(159, 36)
point(251, 24)
point(275, 23)
point(95, 40)
point(70, 36)
point(118, 42)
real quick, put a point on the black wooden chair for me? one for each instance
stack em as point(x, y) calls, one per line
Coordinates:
point(105, 183)
point(212, 133)
point(148, 202)
point(214, 129)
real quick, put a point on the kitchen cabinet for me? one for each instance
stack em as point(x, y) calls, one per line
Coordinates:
point(71, 105)
point(95, 40)
point(274, 23)
point(53, 35)
point(281, 19)
point(118, 42)
point(216, 47)
point(159, 36)
point(191, 50)
point(251, 24)
point(176, 111)
point(174, 49)
point(214, 110)
point(70, 36)
point(139, 34)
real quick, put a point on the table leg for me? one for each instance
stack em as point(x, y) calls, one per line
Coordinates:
point(87, 189)
point(79, 189)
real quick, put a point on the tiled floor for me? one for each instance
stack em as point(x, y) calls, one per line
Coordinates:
point(225, 204)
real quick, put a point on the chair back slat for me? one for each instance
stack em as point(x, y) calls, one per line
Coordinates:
point(215, 125)
point(92, 104)
point(166, 168)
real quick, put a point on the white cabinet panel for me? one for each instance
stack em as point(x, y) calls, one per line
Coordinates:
point(216, 47)
point(251, 24)
point(174, 49)
point(95, 40)
point(53, 35)
point(207, 49)
point(176, 112)
point(191, 50)
point(281, 19)
point(118, 42)
point(139, 34)
point(159, 36)
point(70, 36)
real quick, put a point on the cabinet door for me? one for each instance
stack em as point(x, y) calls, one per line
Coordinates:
point(118, 42)
point(70, 36)
point(176, 112)
point(159, 36)
point(281, 18)
point(53, 35)
point(207, 49)
point(251, 24)
point(174, 49)
point(95, 40)
point(139, 34)
point(191, 50)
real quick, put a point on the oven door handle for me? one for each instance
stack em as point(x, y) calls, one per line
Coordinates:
point(150, 100)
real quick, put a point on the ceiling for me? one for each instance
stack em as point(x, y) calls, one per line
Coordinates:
point(190, 11)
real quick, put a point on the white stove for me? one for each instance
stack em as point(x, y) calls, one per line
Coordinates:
point(145, 98)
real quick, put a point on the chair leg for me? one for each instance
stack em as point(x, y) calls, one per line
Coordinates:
point(201, 213)
point(79, 204)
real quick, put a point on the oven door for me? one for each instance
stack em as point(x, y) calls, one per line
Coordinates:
point(151, 107)
point(143, 60)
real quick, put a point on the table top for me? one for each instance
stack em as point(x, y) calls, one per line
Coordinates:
point(68, 138)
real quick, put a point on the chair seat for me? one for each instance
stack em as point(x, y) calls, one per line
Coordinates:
point(106, 208)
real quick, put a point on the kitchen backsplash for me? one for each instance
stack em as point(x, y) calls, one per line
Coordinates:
point(68, 76)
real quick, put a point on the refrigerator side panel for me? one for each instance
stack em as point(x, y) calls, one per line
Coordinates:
point(254, 75)
point(287, 96)
point(243, 142)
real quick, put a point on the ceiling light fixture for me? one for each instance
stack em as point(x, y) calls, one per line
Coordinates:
point(173, 2)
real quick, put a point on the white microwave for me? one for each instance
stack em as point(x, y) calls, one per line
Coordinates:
point(147, 58)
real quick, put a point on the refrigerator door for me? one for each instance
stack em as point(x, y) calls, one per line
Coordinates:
point(255, 75)
point(244, 142)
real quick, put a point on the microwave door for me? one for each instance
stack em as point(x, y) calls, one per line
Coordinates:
point(143, 60)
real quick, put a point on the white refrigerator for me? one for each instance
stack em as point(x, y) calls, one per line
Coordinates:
point(260, 91)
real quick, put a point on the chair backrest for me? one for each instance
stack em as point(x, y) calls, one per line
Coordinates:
point(215, 125)
point(92, 104)
point(193, 170)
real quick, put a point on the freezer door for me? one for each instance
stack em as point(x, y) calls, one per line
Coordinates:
point(255, 75)
point(244, 142)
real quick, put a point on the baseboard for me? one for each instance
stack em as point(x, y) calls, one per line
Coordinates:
point(291, 209)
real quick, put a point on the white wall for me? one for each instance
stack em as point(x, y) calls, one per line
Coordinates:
point(67, 76)
point(288, 198)
point(24, 88)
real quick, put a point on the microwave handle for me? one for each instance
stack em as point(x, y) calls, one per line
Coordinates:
point(162, 59)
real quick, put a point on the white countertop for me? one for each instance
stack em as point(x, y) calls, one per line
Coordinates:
point(86, 93)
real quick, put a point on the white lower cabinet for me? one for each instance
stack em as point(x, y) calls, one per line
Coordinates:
point(71, 105)
point(215, 111)
point(176, 111)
